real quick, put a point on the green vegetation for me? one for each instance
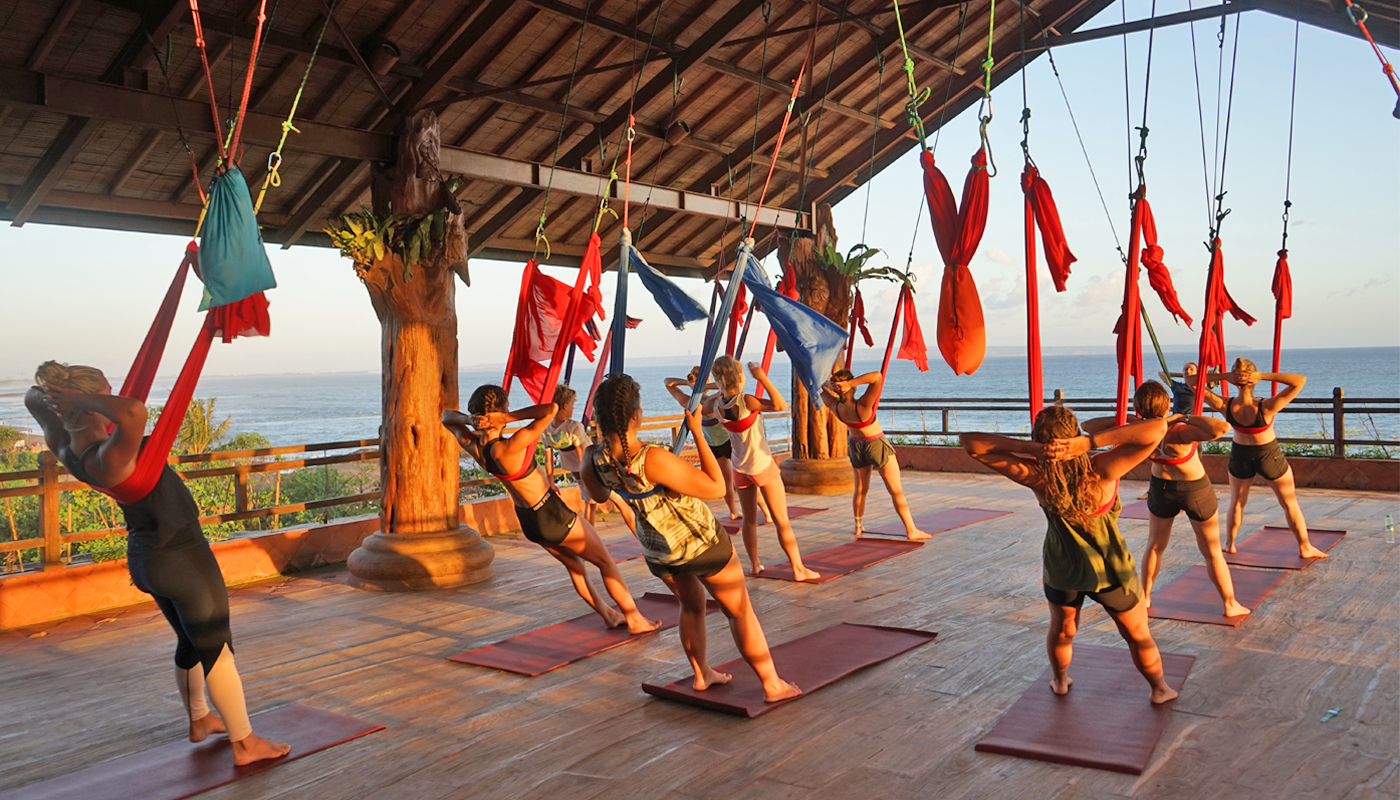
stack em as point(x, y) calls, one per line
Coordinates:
point(9, 437)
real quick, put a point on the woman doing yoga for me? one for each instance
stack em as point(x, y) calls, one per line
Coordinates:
point(544, 517)
point(868, 447)
point(567, 437)
point(1255, 449)
point(715, 436)
point(682, 543)
point(1084, 555)
point(1179, 483)
point(167, 554)
point(754, 468)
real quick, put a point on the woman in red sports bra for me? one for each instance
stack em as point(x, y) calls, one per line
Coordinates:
point(544, 517)
point(1255, 450)
point(868, 449)
point(1179, 483)
point(1084, 554)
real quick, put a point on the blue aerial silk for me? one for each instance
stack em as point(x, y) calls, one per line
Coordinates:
point(232, 261)
point(678, 306)
point(812, 342)
point(713, 337)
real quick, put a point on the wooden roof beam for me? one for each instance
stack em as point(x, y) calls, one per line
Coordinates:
point(1166, 20)
point(633, 32)
point(57, 26)
point(877, 32)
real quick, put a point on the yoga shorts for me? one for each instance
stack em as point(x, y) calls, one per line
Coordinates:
point(870, 452)
point(1166, 499)
point(1265, 459)
point(709, 562)
point(743, 480)
point(547, 522)
point(725, 450)
point(1115, 598)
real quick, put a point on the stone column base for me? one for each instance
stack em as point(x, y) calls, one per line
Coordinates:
point(817, 476)
point(390, 562)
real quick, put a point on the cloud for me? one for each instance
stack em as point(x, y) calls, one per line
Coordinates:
point(1371, 284)
point(1099, 291)
point(1000, 256)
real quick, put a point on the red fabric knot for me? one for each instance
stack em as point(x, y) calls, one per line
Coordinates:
point(958, 229)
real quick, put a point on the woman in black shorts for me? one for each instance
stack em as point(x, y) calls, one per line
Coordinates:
point(167, 554)
point(1255, 450)
point(1179, 483)
point(544, 517)
point(681, 541)
point(715, 436)
point(1084, 555)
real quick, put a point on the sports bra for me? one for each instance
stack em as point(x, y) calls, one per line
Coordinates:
point(736, 425)
point(863, 423)
point(1258, 415)
point(488, 460)
point(1176, 461)
point(1112, 498)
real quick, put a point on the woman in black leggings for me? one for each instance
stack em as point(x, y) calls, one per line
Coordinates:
point(167, 554)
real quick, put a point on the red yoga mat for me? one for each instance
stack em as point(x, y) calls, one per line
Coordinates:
point(180, 769)
point(538, 652)
point(794, 512)
point(844, 559)
point(1105, 722)
point(1276, 548)
point(940, 522)
point(811, 662)
point(1136, 510)
point(625, 550)
point(1192, 597)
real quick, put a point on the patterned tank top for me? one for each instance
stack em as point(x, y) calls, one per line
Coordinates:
point(671, 528)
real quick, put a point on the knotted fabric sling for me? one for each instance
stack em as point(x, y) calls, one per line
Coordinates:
point(962, 335)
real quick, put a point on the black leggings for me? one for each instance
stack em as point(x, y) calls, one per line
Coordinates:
point(189, 589)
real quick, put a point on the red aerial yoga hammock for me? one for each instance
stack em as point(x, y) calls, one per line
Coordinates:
point(550, 316)
point(1218, 301)
point(858, 321)
point(962, 335)
point(1041, 210)
point(1129, 325)
point(1283, 304)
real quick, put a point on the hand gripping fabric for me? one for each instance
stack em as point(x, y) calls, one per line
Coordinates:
point(232, 262)
point(1218, 301)
point(812, 342)
point(962, 335)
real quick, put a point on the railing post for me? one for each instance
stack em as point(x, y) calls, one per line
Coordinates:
point(1059, 396)
point(1339, 426)
point(48, 511)
point(945, 422)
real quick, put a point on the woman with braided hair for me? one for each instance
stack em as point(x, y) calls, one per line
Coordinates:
point(681, 541)
point(544, 517)
point(1084, 555)
point(97, 436)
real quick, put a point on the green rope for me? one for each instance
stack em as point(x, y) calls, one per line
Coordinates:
point(558, 143)
point(984, 111)
point(917, 97)
point(1161, 359)
point(274, 159)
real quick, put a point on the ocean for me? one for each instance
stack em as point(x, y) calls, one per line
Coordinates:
point(313, 408)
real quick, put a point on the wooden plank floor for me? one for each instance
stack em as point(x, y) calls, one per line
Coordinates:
point(1246, 727)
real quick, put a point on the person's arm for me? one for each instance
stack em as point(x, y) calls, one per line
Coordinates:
point(1195, 429)
point(673, 385)
point(55, 436)
point(831, 395)
point(1013, 458)
point(1294, 384)
point(1097, 424)
point(459, 425)
point(116, 457)
point(664, 468)
point(523, 441)
point(1130, 444)
point(774, 401)
point(1213, 401)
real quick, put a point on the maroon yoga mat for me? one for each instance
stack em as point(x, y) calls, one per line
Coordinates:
point(540, 651)
point(811, 662)
point(794, 512)
point(625, 550)
point(180, 769)
point(941, 521)
point(844, 559)
point(1276, 548)
point(1192, 597)
point(1105, 722)
point(1136, 510)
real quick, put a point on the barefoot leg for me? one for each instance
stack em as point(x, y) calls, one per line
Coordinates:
point(691, 594)
point(583, 542)
point(1132, 624)
point(895, 486)
point(1239, 496)
point(748, 499)
point(226, 690)
point(731, 497)
point(1287, 495)
point(579, 576)
point(777, 504)
point(1059, 645)
point(1159, 534)
point(728, 588)
point(862, 488)
point(190, 682)
point(1208, 542)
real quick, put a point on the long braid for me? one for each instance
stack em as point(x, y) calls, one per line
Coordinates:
point(617, 398)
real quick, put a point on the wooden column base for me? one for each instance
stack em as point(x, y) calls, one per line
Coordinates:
point(391, 562)
point(817, 476)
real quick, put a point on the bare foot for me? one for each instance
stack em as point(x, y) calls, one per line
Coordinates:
point(782, 690)
point(709, 677)
point(1147, 598)
point(1061, 686)
point(1308, 552)
point(804, 574)
point(860, 529)
point(611, 617)
point(757, 568)
point(636, 623)
point(205, 725)
point(917, 535)
point(1162, 694)
point(256, 748)
point(735, 514)
point(1234, 609)
point(1229, 545)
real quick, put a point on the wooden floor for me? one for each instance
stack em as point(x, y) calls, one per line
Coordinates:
point(1247, 726)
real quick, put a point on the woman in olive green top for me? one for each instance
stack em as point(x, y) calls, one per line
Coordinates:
point(1084, 554)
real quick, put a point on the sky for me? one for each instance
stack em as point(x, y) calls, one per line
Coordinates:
point(87, 296)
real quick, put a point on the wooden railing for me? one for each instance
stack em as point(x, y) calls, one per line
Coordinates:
point(51, 480)
point(1332, 412)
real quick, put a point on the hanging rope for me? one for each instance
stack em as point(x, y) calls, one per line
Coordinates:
point(917, 97)
point(274, 159)
point(1283, 280)
point(1358, 18)
point(870, 180)
point(540, 238)
point(247, 84)
point(164, 64)
point(777, 147)
point(984, 110)
point(208, 78)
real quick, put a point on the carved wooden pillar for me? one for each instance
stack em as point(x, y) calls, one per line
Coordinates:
point(421, 543)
